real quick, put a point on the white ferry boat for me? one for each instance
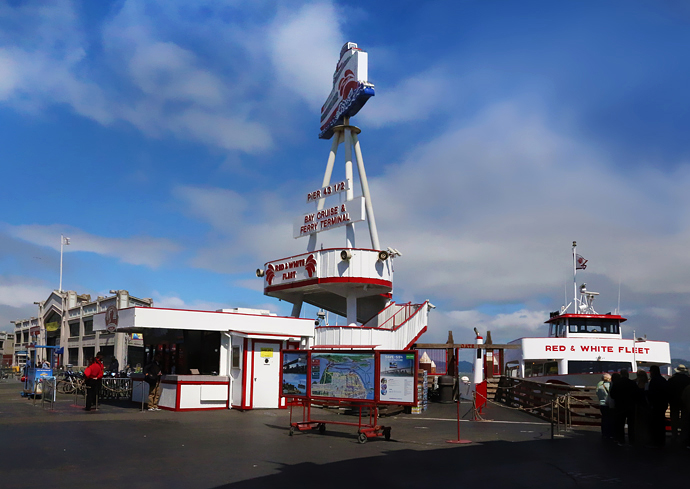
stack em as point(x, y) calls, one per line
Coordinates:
point(350, 91)
point(583, 344)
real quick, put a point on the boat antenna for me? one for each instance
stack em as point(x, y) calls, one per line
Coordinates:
point(574, 275)
point(618, 311)
point(565, 294)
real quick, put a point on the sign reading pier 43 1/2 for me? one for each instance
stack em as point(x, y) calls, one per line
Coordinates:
point(334, 188)
point(330, 217)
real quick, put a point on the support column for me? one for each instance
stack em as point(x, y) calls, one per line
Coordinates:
point(349, 228)
point(351, 310)
point(373, 232)
point(337, 139)
point(297, 308)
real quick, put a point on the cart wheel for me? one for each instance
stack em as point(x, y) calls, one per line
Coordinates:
point(387, 433)
point(362, 438)
point(322, 427)
point(292, 431)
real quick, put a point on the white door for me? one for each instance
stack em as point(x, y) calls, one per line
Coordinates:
point(266, 375)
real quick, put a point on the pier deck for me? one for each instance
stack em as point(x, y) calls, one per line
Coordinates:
point(119, 446)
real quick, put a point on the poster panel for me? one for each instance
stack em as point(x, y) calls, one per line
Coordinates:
point(337, 375)
point(397, 377)
point(295, 368)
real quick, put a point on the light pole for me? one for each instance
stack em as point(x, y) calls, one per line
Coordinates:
point(64, 240)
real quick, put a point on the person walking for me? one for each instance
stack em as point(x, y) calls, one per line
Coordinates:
point(624, 392)
point(676, 384)
point(657, 395)
point(92, 373)
point(114, 366)
point(685, 417)
point(152, 375)
point(603, 390)
point(642, 410)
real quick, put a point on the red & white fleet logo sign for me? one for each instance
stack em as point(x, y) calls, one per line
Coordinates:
point(111, 319)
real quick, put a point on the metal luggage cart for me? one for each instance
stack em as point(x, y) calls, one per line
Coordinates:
point(365, 428)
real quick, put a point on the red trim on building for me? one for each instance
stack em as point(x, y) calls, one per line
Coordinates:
point(586, 316)
point(415, 338)
point(329, 280)
point(244, 375)
point(251, 377)
point(266, 334)
point(319, 251)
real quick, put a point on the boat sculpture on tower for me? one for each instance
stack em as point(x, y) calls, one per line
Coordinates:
point(353, 281)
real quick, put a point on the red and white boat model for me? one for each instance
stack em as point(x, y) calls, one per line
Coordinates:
point(583, 344)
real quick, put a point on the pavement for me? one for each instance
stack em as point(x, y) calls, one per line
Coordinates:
point(121, 446)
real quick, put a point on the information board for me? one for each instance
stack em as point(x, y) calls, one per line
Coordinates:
point(397, 377)
point(387, 377)
point(343, 375)
point(295, 373)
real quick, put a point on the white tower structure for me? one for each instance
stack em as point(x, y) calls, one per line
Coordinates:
point(350, 281)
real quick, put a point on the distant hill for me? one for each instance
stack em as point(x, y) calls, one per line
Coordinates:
point(466, 367)
point(677, 361)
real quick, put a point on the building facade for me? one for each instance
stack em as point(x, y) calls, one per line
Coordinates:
point(65, 320)
point(6, 349)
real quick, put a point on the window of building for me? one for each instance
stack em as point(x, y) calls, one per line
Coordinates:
point(594, 367)
point(589, 325)
point(89, 352)
point(26, 336)
point(74, 329)
point(88, 326)
point(108, 354)
point(73, 356)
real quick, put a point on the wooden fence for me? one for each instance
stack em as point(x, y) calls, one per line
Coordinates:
point(563, 403)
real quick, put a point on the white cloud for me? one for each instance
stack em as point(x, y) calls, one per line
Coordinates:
point(136, 250)
point(486, 212)
point(18, 293)
point(413, 99)
point(304, 50)
point(157, 85)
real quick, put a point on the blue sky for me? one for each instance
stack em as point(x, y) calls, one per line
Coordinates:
point(173, 142)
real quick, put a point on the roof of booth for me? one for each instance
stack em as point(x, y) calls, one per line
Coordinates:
point(138, 319)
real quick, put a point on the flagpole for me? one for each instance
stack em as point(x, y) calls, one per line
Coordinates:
point(62, 244)
point(575, 276)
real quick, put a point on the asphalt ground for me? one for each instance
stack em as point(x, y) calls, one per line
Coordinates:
point(120, 446)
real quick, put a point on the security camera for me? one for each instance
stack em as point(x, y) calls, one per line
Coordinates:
point(393, 252)
point(345, 255)
point(259, 272)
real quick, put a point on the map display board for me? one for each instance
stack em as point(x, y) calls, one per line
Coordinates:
point(397, 377)
point(386, 377)
point(339, 375)
point(294, 373)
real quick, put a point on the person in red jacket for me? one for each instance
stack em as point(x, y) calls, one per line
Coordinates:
point(93, 374)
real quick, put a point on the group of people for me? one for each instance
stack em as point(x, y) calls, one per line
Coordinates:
point(642, 405)
point(94, 374)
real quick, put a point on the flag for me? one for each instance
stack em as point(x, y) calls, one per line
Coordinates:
point(581, 263)
point(65, 240)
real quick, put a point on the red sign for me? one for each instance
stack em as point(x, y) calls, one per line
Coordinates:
point(111, 319)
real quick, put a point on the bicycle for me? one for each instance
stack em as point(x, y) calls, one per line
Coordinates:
point(71, 382)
